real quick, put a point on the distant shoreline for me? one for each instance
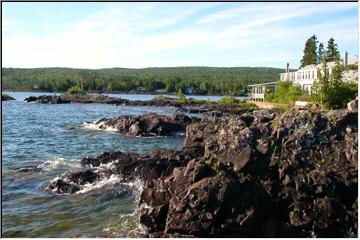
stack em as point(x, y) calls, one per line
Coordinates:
point(119, 92)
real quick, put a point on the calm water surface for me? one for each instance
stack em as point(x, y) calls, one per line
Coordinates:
point(38, 134)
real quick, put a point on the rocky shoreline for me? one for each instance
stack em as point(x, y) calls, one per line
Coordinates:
point(257, 173)
point(186, 107)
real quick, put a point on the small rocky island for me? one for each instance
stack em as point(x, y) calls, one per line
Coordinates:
point(254, 173)
point(5, 97)
point(198, 106)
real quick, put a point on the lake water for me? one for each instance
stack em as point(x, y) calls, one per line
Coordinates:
point(144, 97)
point(38, 134)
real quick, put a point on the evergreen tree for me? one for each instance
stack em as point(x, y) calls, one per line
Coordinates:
point(321, 53)
point(310, 52)
point(332, 52)
point(331, 91)
point(181, 95)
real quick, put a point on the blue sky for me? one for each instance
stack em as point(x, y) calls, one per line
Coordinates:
point(136, 35)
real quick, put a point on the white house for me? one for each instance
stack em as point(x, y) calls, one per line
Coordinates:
point(304, 77)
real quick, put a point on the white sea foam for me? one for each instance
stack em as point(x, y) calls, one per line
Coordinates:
point(57, 162)
point(137, 186)
point(97, 127)
point(108, 166)
point(106, 182)
point(134, 187)
point(128, 220)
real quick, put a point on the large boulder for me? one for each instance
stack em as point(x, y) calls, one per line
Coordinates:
point(148, 125)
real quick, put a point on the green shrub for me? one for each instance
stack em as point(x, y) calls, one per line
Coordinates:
point(248, 105)
point(351, 67)
point(182, 97)
point(286, 92)
point(228, 100)
point(76, 90)
point(161, 97)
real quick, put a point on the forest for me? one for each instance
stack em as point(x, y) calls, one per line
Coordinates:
point(195, 80)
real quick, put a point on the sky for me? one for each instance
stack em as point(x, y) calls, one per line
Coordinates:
point(138, 35)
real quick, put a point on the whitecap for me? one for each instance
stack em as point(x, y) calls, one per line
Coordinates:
point(57, 162)
point(95, 126)
point(108, 166)
point(113, 180)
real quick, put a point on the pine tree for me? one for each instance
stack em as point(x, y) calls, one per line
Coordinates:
point(310, 52)
point(181, 95)
point(332, 52)
point(321, 53)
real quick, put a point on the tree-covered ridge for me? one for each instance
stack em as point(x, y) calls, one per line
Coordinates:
point(202, 80)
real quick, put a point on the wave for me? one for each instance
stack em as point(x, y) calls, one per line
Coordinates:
point(57, 162)
point(134, 187)
point(49, 165)
point(129, 224)
point(95, 126)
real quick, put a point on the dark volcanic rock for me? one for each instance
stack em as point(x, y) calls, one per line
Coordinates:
point(130, 166)
point(248, 174)
point(68, 98)
point(47, 99)
point(62, 187)
point(5, 97)
point(295, 173)
point(148, 125)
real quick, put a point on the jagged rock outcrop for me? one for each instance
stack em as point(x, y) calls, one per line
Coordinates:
point(148, 125)
point(293, 175)
point(129, 166)
point(250, 174)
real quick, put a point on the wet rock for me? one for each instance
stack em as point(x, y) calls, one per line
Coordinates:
point(148, 125)
point(5, 97)
point(134, 130)
point(62, 187)
point(84, 177)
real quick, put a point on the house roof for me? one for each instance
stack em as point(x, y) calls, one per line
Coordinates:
point(261, 84)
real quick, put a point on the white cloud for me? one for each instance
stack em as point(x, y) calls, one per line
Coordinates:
point(151, 35)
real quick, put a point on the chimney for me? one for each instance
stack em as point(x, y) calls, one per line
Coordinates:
point(287, 67)
point(346, 58)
